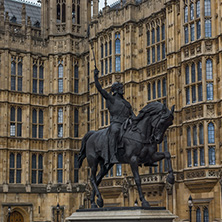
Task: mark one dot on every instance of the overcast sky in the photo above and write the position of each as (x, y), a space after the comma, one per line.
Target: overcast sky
(101, 2)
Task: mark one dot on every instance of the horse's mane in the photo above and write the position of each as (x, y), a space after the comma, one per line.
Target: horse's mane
(152, 108)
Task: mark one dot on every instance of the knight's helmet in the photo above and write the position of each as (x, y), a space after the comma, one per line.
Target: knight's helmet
(115, 87)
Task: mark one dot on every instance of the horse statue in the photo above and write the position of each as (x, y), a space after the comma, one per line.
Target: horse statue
(138, 146)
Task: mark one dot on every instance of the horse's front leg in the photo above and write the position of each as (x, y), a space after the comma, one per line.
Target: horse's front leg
(161, 155)
(134, 168)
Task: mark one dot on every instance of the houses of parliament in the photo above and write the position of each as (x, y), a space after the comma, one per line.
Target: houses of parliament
(160, 50)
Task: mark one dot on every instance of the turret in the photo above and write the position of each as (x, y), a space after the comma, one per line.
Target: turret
(65, 16)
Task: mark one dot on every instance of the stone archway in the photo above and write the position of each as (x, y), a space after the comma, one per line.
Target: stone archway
(16, 217)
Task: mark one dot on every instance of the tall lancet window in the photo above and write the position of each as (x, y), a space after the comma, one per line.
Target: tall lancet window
(61, 11)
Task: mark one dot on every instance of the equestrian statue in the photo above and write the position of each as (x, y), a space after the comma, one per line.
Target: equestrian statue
(129, 139)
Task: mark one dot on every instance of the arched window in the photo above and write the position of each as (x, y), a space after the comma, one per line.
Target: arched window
(60, 78)
(73, 13)
(13, 76)
(211, 137)
(187, 74)
(102, 49)
(188, 136)
(149, 91)
(40, 169)
(60, 168)
(78, 14)
(76, 122)
(63, 12)
(154, 90)
(159, 89)
(148, 37)
(185, 14)
(106, 49)
(58, 12)
(186, 34)
(76, 77)
(198, 215)
(209, 69)
(187, 95)
(118, 169)
(193, 73)
(194, 135)
(41, 79)
(206, 215)
(20, 76)
(153, 36)
(117, 52)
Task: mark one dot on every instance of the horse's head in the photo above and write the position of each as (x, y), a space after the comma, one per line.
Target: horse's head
(161, 122)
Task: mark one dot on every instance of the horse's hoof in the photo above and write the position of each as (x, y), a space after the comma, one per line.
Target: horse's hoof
(171, 179)
(145, 204)
(93, 205)
(100, 202)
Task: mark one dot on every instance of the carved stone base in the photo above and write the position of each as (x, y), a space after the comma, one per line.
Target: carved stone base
(123, 214)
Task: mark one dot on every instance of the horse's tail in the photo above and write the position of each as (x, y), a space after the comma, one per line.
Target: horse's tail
(82, 154)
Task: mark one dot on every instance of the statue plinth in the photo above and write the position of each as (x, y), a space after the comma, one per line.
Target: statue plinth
(123, 214)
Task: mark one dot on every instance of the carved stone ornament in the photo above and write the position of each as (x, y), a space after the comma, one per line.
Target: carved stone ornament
(169, 188)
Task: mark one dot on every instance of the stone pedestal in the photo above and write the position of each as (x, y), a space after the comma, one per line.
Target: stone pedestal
(122, 214)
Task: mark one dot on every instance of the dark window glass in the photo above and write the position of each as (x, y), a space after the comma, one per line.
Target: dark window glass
(187, 75)
(153, 54)
(199, 71)
(187, 95)
(35, 71)
(110, 64)
(193, 94)
(110, 47)
(148, 56)
(76, 76)
(13, 69)
(198, 9)
(209, 69)
(106, 49)
(200, 92)
(12, 116)
(153, 36)
(159, 89)
(189, 161)
(19, 69)
(198, 29)
(63, 12)
(194, 135)
(191, 11)
(158, 53)
(154, 90)
(19, 115)
(188, 136)
(19, 83)
(34, 116)
(186, 34)
(192, 32)
(60, 166)
(158, 34)
(76, 171)
(76, 121)
(13, 83)
(118, 65)
(117, 46)
(164, 87)
(163, 31)
(12, 160)
(40, 116)
(195, 157)
(201, 134)
(202, 161)
(34, 87)
(101, 51)
(148, 38)
(160, 162)
(163, 51)
(193, 73)
(149, 91)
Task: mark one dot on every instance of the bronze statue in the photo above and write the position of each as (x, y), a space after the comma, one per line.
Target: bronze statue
(120, 110)
(137, 144)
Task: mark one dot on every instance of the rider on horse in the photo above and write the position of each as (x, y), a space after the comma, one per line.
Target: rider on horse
(120, 110)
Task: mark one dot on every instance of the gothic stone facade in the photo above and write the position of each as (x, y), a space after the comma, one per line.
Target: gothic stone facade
(161, 50)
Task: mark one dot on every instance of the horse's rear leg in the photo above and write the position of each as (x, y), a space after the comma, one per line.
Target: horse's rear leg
(103, 171)
(134, 168)
(93, 166)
